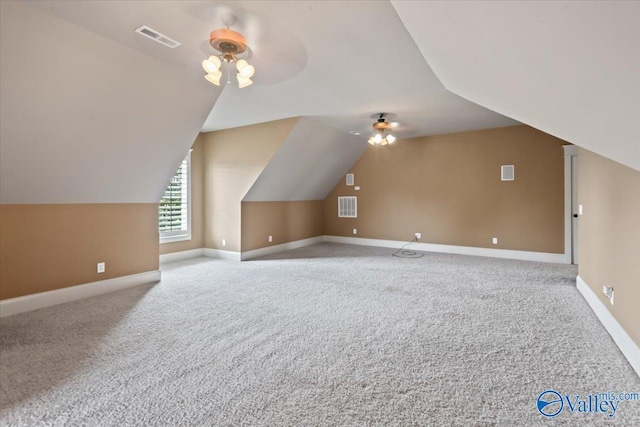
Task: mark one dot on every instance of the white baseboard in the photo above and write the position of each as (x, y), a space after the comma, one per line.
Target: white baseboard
(460, 250)
(269, 250)
(624, 342)
(219, 253)
(60, 296)
(178, 256)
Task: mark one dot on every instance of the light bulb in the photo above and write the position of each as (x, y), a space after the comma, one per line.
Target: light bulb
(391, 138)
(377, 139)
(241, 64)
(214, 78)
(211, 65)
(247, 71)
(243, 81)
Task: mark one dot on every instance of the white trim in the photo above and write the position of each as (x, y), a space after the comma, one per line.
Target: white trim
(219, 253)
(569, 151)
(31, 302)
(178, 256)
(625, 343)
(462, 250)
(269, 250)
(177, 238)
(567, 210)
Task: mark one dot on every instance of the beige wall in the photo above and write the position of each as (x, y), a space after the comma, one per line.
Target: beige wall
(233, 160)
(609, 235)
(448, 188)
(47, 247)
(285, 221)
(197, 205)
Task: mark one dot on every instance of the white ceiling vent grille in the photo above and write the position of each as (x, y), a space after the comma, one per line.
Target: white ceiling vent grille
(158, 37)
(347, 207)
(508, 172)
(350, 179)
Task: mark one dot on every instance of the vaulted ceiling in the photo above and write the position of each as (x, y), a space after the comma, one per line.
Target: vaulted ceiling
(93, 112)
(568, 68)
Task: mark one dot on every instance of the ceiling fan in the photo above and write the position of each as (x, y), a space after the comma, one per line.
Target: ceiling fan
(382, 130)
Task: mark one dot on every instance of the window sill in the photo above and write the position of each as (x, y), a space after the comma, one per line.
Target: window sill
(172, 239)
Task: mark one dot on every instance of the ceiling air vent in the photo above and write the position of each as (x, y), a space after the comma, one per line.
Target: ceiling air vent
(156, 36)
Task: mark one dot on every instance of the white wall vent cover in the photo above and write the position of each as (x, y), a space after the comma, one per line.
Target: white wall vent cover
(508, 172)
(347, 207)
(350, 179)
(156, 36)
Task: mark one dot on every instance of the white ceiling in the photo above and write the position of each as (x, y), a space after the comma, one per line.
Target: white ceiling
(308, 164)
(86, 119)
(93, 112)
(338, 62)
(568, 68)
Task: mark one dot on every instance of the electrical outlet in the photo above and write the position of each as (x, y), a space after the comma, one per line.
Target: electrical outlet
(495, 240)
(607, 291)
(357, 188)
(418, 236)
(355, 231)
(224, 242)
(270, 239)
(101, 267)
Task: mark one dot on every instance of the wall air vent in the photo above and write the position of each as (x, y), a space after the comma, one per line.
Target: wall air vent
(156, 36)
(347, 207)
(508, 173)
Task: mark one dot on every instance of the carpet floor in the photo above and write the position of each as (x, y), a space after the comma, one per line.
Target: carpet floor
(329, 334)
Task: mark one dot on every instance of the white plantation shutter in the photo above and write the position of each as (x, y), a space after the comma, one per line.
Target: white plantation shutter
(174, 212)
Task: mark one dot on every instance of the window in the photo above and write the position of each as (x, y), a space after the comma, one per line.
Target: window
(174, 219)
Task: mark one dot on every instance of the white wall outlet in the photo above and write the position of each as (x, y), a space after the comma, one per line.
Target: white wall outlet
(579, 209)
(357, 188)
(418, 235)
(101, 267)
(355, 231)
(607, 291)
(270, 239)
(495, 240)
(224, 242)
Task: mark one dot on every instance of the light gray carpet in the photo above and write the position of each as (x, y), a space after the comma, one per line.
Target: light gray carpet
(325, 335)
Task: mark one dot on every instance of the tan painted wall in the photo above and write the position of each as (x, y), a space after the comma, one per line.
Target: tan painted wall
(609, 235)
(233, 160)
(197, 203)
(47, 247)
(448, 188)
(285, 221)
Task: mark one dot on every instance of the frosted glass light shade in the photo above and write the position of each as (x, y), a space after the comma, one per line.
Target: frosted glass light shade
(390, 139)
(211, 65)
(214, 78)
(243, 81)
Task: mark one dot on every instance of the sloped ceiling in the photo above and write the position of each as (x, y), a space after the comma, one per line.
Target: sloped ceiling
(86, 119)
(345, 60)
(568, 68)
(308, 164)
